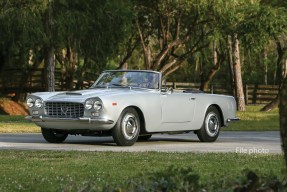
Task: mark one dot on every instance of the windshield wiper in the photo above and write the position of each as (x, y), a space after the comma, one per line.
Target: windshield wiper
(120, 85)
(98, 86)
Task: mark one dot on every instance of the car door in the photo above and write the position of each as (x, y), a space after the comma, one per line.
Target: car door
(177, 107)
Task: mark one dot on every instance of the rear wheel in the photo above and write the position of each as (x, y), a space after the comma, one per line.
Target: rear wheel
(127, 128)
(53, 136)
(211, 126)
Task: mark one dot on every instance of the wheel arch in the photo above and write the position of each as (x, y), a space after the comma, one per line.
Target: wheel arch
(141, 116)
(220, 113)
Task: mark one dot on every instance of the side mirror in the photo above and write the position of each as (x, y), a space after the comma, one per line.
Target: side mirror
(169, 90)
(164, 89)
(163, 84)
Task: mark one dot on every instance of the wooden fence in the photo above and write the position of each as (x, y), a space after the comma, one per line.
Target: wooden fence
(14, 82)
(254, 94)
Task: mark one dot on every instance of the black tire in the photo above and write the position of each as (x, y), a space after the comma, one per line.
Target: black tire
(144, 137)
(52, 136)
(127, 128)
(211, 126)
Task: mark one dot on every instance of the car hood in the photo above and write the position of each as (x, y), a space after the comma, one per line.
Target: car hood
(82, 95)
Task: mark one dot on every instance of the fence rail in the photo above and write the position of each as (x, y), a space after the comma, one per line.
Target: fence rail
(254, 94)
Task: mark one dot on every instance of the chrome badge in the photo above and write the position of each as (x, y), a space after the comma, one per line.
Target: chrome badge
(65, 109)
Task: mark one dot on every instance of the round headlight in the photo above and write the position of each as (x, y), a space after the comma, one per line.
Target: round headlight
(30, 102)
(98, 105)
(89, 104)
(39, 103)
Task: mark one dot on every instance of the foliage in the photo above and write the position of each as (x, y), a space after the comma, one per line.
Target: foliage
(92, 28)
(186, 179)
(106, 171)
(257, 26)
(85, 35)
(172, 179)
(91, 36)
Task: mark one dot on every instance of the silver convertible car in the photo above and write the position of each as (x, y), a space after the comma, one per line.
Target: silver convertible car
(130, 105)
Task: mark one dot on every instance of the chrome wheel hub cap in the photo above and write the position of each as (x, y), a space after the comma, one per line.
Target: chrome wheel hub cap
(212, 124)
(130, 126)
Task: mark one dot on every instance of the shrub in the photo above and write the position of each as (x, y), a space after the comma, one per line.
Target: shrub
(184, 179)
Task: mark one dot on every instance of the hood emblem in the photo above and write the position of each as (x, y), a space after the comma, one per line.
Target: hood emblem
(65, 109)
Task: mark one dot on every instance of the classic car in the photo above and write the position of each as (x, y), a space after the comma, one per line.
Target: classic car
(130, 105)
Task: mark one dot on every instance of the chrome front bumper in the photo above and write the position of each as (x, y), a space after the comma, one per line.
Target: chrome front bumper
(80, 119)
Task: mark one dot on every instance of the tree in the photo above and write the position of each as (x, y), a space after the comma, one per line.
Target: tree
(171, 31)
(78, 36)
(237, 75)
(277, 32)
(90, 33)
(281, 74)
(233, 14)
(218, 57)
(49, 50)
(230, 17)
(283, 118)
(20, 36)
(251, 24)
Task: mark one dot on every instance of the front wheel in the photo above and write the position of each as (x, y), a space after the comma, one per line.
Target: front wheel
(127, 128)
(53, 136)
(211, 126)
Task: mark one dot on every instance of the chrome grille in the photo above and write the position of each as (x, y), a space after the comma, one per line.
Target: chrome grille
(64, 109)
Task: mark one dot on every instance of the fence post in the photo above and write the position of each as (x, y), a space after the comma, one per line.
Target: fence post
(246, 94)
(211, 88)
(174, 85)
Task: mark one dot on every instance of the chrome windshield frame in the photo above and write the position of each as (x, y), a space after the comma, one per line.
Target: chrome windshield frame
(127, 71)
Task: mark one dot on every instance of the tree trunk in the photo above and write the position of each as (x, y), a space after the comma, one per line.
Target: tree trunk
(213, 71)
(283, 120)
(49, 51)
(281, 74)
(271, 105)
(20, 94)
(2, 61)
(147, 58)
(230, 61)
(71, 67)
(50, 68)
(237, 76)
(130, 49)
(146, 48)
(81, 74)
(265, 57)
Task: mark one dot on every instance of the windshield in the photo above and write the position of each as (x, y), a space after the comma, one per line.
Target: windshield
(137, 79)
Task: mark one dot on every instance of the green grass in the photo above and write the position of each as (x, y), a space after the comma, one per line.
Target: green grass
(12, 119)
(255, 120)
(73, 171)
(17, 124)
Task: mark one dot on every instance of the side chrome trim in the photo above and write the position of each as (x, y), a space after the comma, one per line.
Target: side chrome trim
(80, 119)
(233, 119)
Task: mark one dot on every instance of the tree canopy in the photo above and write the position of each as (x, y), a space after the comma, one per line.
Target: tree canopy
(187, 40)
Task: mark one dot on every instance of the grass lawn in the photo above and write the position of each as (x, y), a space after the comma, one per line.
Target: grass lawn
(91, 171)
(16, 124)
(254, 120)
(251, 120)
(74, 171)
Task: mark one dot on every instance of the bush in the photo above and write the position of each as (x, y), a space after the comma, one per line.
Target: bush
(184, 179)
